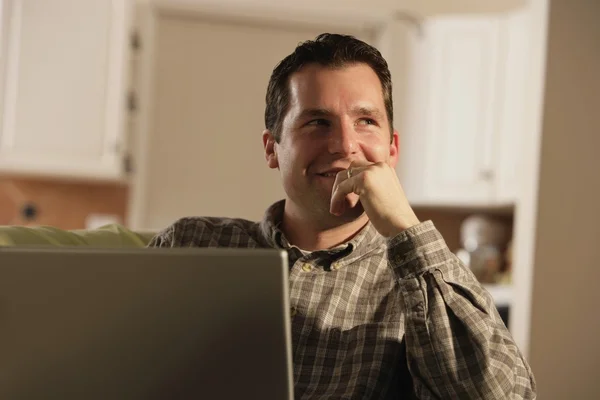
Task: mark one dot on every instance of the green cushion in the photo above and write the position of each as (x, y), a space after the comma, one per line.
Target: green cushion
(112, 235)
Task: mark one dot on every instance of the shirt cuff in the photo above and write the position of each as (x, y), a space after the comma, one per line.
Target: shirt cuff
(416, 250)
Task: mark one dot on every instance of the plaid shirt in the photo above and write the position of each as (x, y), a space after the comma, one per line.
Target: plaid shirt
(379, 318)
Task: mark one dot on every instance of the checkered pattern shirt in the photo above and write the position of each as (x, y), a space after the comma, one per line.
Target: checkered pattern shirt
(379, 318)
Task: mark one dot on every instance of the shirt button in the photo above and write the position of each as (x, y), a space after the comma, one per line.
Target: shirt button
(307, 267)
(293, 312)
(335, 266)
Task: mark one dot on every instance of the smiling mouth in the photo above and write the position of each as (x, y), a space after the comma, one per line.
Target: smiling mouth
(328, 174)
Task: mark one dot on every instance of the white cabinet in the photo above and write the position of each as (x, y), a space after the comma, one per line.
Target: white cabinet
(64, 70)
(512, 119)
(461, 145)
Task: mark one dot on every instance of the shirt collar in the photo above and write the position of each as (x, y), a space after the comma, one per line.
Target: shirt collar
(363, 242)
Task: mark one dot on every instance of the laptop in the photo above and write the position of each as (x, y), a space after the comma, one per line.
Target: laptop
(144, 324)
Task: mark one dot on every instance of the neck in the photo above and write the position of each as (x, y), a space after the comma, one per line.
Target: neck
(313, 234)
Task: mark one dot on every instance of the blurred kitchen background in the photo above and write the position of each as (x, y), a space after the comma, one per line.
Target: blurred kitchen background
(141, 112)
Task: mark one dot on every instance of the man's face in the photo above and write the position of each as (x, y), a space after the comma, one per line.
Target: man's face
(335, 116)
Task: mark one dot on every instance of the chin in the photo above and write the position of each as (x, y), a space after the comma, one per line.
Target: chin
(331, 220)
(352, 214)
(319, 206)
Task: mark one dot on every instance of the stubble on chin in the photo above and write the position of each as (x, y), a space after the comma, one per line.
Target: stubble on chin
(318, 206)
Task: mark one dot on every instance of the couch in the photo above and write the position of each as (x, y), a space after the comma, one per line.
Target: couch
(108, 236)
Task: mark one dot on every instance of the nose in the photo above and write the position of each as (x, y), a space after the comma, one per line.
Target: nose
(343, 139)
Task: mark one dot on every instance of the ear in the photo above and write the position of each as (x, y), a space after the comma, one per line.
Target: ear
(269, 145)
(394, 150)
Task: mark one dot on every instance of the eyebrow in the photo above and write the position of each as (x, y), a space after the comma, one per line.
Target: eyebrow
(323, 112)
(368, 111)
(315, 112)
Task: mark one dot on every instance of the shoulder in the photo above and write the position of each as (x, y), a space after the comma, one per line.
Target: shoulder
(207, 232)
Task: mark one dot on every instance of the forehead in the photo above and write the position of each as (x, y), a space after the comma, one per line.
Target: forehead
(335, 88)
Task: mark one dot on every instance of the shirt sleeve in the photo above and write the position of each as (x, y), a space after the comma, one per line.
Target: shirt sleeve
(164, 238)
(457, 345)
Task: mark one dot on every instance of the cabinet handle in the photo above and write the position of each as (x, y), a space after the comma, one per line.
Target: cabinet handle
(127, 164)
(487, 175)
(132, 102)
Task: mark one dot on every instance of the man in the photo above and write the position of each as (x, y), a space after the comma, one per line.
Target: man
(381, 308)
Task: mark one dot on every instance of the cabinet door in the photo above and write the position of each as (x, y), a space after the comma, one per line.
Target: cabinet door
(511, 123)
(64, 70)
(459, 118)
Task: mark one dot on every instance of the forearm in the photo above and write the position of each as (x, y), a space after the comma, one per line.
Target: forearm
(457, 344)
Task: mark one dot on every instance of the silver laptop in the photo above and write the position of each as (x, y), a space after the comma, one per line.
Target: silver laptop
(144, 324)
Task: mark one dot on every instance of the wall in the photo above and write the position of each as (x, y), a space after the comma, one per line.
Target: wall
(565, 309)
(419, 7)
(431, 7)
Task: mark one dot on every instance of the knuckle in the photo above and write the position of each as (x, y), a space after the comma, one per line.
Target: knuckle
(366, 177)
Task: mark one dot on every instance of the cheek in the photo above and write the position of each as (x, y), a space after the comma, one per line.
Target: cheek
(289, 162)
(375, 149)
(299, 155)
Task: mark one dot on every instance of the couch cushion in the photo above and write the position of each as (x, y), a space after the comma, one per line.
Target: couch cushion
(112, 235)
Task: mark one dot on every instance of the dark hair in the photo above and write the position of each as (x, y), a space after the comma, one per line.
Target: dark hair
(328, 50)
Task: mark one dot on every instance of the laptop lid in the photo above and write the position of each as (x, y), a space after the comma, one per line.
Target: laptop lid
(144, 324)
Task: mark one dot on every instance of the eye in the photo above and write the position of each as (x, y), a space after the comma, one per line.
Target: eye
(319, 122)
(367, 121)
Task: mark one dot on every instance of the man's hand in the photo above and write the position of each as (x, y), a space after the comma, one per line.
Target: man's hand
(377, 188)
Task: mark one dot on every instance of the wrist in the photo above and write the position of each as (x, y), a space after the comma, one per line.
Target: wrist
(402, 224)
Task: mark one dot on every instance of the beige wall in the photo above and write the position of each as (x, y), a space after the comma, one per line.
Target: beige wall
(419, 7)
(565, 329)
(432, 7)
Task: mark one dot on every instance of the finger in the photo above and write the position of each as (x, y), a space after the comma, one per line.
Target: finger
(355, 168)
(345, 195)
(348, 201)
(339, 178)
(360, 163)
